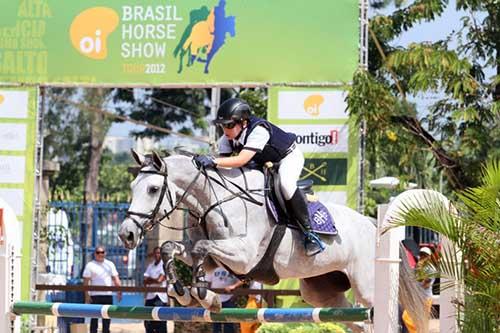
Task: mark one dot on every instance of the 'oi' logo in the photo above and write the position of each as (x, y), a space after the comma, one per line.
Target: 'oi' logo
(312, 104)
(90, 29)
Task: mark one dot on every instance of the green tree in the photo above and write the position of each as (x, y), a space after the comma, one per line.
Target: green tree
(461, 129)
(178, 110)
(474, 259)
(114, 177)
(75, 130)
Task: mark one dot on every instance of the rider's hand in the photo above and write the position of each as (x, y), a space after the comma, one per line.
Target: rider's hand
(205, 161)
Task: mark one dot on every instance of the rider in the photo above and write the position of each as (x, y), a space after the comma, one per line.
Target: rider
(251, 139)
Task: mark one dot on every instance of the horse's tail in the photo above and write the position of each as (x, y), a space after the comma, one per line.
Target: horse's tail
(411, 295)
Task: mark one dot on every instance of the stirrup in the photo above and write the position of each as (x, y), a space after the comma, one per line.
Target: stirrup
(312, 239)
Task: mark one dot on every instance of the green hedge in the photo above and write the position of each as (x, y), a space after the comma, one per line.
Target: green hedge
(302, 328)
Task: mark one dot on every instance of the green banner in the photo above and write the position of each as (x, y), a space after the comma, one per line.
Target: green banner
(178, 43)
(18, 107)
(326, 135)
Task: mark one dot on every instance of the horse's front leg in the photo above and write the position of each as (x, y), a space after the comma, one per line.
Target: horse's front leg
(235, 253)
(175, 288)
(199, 287)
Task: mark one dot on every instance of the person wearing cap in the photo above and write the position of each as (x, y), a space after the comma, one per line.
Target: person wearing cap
(249, 140)
(425, 275)
(425, 270)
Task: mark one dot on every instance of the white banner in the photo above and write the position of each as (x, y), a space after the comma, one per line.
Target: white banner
(13, 104)
(15, 199)
(12, 169)
(320, 138)
(312, 105)
(12, 136)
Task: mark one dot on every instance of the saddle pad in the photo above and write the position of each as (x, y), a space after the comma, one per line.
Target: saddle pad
(321, 220)
(319, 217)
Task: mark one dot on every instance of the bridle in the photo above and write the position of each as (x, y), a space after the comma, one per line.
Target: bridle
(151, 223)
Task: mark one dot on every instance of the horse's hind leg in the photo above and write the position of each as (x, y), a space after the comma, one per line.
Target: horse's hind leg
(318, 293)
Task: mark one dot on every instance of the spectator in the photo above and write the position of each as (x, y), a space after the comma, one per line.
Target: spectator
(254, 302)
(425, 273)
(155, 277)
(425, 270)
(100, 272)
(221, 278)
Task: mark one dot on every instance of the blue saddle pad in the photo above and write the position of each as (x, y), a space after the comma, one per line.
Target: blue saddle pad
(321, 219)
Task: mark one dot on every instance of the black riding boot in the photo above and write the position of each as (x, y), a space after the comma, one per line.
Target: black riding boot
(312, 243)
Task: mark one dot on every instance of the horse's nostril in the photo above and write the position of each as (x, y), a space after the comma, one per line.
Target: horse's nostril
(130, 237)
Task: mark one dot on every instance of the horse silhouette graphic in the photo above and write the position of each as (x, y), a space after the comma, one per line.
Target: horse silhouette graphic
(204, 35)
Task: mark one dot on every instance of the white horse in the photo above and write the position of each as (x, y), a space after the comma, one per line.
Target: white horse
(227, 227)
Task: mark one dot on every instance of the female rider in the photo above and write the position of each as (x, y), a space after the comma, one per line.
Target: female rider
(251, 139)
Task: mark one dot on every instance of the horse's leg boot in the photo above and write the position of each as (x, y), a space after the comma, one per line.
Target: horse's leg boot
(312, 242)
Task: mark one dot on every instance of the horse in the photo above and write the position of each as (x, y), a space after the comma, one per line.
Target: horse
(228, 226)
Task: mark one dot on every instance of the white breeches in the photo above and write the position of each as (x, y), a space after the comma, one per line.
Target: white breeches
(289, 172)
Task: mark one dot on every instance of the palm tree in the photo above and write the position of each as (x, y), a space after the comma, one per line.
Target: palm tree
(473, 262)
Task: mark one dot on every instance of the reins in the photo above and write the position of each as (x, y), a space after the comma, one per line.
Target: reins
(244, 194)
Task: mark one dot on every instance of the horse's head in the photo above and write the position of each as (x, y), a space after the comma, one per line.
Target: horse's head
(153, 199)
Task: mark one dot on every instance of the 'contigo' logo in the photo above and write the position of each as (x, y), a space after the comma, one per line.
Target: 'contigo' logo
(90, 29)
(312, 104)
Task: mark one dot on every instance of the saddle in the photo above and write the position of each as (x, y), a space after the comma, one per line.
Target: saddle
(320, 219)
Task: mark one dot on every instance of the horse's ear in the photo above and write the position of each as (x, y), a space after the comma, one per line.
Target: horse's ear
(158, 162)
(138, 158)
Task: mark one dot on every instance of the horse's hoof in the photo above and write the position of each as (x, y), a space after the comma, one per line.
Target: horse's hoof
(199, 293)
(184, 299)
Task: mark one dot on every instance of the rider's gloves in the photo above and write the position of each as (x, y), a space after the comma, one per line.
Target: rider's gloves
(205, 161)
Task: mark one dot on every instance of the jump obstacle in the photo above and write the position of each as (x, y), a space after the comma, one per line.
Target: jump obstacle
(384, 320)
(227, 315)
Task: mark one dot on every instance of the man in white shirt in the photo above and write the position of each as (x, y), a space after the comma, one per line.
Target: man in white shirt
(155, 277)
(221, 278)
(100, 272)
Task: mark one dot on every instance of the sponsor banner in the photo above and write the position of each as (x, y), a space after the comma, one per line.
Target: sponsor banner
(18, 107)
(325, 171)
(320, 138)
(12, 136)
(188, 42)
(307, 105)
(12, 169)
(326, 135)
(14, 104)
(14, 198)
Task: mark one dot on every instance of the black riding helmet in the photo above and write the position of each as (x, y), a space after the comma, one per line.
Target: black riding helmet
(233, 110)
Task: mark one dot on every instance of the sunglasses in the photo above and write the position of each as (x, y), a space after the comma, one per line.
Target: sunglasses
(100, 252)
(228, 126)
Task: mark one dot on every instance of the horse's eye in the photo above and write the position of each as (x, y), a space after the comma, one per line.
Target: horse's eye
(153, 189)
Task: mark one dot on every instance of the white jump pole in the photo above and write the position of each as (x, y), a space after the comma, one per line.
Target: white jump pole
(386, 318)
(10, 268)
(447, 311)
